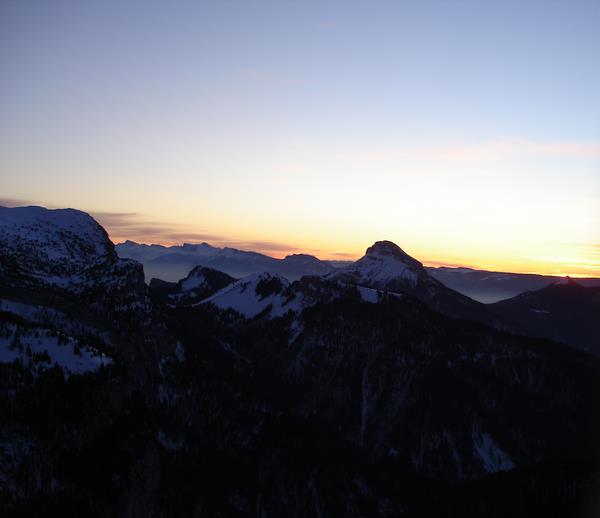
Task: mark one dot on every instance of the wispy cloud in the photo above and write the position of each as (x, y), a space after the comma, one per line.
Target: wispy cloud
(138, 227)
(344, 255)
(489, 150)
(17, 202)
(449, 264)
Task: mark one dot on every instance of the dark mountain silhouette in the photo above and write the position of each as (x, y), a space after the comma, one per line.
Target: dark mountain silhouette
(568, 313)
(174, 262)
(489, 287)
(200, 283)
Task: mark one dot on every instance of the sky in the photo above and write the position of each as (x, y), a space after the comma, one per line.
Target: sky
(467, 132)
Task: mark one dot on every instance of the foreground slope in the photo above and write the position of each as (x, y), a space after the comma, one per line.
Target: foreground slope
(415, 403)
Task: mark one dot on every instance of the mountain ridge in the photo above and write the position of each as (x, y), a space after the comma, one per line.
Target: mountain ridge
(321, 391)
(481, 285)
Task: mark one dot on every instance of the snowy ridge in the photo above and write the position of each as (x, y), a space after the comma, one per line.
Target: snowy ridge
(196, 279)
(40, 349)
(255, 293)
(200, 283)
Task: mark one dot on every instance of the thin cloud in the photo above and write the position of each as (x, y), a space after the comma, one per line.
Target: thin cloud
(447, 264)
(263, 246)
(16, 202)
(134, 226)
(490, 150)
(347, 255)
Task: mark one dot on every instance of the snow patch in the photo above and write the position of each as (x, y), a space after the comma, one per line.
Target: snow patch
(492, 457)
(41, 348)
(241, 296)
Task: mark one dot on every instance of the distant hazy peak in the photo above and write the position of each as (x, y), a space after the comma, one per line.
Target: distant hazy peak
(302, 258)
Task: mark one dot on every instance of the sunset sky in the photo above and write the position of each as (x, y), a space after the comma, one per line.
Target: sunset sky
(468, 133)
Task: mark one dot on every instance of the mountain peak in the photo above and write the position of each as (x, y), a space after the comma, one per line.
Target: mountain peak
(301, 258)
(390, 249)
(572, 282)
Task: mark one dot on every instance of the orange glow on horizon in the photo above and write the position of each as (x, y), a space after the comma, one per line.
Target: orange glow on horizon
(557, 266)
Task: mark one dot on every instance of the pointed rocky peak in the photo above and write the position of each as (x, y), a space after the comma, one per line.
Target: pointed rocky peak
(389, 249)
(384, 266)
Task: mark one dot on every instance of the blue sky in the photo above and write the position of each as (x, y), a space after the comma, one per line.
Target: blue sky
(468, 132)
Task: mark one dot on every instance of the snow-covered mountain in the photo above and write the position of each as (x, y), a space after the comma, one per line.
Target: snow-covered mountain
(344, 394)
(143, 253)
(174, 262)
(274, 295)
(199, 284)
(60, 248)
(256, 293)
(59, 269)
(385, 266)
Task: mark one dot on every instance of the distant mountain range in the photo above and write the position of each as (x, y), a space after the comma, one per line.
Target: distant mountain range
(174, 262)
(488, 287)
(371, 389)
(566, 312)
